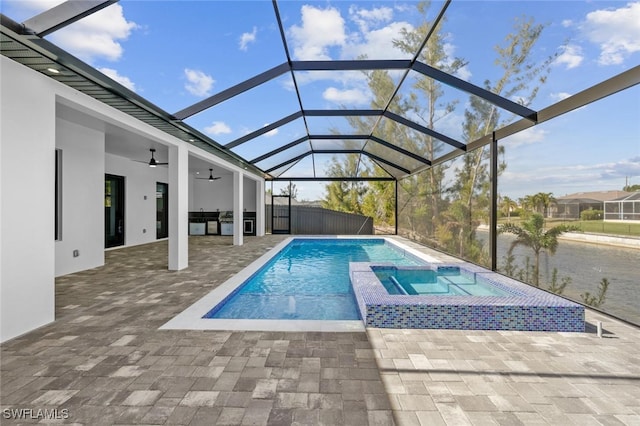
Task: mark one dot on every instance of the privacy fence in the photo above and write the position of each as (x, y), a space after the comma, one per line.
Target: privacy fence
(305, 220)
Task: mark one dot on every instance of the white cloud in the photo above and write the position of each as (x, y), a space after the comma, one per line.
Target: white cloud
(559, 96)
(377, 43)
(617, 32)
(569, 178)
(271, 133)
(463, 73)
(526, 137)
(366, 17)
(198, 83)
(97, 36)
(217, 128)
(347, 96)
(323, 34)
(33, 7)
(113, 74)
(571, 56)
(247, 38)
(320, 30)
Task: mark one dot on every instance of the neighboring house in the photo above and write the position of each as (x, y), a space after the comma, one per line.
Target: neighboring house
(570, 206)
(625, 208)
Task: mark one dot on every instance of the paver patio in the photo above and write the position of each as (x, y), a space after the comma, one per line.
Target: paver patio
(104, 361)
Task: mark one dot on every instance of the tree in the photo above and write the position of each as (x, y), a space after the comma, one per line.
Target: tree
(520, 79)
(542, 201)
(424, 199)
(291, 190)
(596, 300)
(533, 235)
(344, 196)
(507, 205)
(426, 106)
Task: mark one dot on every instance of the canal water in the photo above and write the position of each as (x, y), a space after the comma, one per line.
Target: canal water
(586, 264)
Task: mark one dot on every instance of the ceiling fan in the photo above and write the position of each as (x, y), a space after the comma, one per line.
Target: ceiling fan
(153, 162)
(210, 178)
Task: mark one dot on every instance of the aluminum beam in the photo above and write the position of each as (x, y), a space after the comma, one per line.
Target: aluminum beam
(422, 129)
(401, 150)
(375, 139)
(334, 179)
(264, 130)
(352, 65)
(358, 151)
(232, 91)
(279, 150)
(289, 161)
(62, 15)
(465, 86)
(341, 112)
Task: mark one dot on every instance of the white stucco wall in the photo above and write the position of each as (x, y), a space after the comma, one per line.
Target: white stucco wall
(30, 130)
(27, 167)
(140, 182)
(218, 195)
(82, 198)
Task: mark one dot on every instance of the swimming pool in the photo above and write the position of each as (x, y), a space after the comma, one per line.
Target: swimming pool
(194, 316)
(308, 280)
(440, 281)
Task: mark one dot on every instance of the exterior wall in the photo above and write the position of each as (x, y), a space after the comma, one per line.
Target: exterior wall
(82, 198)
(140, 197)
(32, 126)
(218, 195)
(27, 165)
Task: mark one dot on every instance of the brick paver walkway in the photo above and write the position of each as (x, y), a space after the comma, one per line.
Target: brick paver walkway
(104, 361)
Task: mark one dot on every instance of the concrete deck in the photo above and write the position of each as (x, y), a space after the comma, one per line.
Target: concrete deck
(104, 361)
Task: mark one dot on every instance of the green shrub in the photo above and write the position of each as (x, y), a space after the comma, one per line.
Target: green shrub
(592, 215)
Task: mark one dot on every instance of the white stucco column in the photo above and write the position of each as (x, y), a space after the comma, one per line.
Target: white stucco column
(260, 213)
(238, 208)
(178, 207)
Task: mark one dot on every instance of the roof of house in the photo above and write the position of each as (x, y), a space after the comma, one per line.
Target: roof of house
(593, 196)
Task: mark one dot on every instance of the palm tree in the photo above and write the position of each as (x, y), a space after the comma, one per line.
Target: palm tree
(533, 235)
(508, 205)
(542, 201)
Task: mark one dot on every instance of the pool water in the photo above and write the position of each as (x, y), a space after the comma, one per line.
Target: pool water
(447, 281)
(308, 280)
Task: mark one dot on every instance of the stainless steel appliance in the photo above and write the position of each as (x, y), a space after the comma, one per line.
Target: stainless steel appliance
(226, 222)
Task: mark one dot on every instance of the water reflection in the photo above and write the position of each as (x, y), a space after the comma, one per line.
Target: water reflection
(586, 264)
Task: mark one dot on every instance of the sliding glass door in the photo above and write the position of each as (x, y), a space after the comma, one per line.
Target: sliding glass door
(114, 211)
(162, 210)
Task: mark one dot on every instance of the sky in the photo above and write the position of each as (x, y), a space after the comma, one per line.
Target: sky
(176, 53)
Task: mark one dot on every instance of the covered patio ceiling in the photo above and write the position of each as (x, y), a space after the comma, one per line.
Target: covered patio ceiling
(316, 89)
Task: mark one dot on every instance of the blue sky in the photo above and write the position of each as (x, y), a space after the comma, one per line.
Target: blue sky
(178, 53)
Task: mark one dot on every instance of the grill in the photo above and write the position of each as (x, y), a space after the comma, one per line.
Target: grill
(226, 222)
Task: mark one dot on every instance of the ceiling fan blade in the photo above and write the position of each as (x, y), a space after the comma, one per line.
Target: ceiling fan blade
(210, 178)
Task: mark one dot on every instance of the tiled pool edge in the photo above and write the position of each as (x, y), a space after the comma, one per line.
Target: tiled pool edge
(530, 309)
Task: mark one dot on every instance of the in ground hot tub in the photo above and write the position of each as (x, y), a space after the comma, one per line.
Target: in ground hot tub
(462, 296)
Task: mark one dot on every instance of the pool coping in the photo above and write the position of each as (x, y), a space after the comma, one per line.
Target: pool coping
(192, 317)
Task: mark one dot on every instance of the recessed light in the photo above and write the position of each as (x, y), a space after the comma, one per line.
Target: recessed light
(53, 70)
